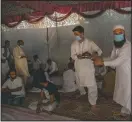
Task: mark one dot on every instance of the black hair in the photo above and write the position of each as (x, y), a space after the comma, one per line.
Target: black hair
(35, 56)
(70, 65)
(70, 58)
(19, 41)
(12, 70)
(49, 60)
(7, 41)
(79, 29)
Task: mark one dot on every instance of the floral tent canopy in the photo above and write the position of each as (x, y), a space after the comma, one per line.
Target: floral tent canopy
(15, 12)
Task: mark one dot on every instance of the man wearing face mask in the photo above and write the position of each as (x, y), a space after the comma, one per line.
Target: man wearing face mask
(21, 61)
(121, 60)
(81, 52)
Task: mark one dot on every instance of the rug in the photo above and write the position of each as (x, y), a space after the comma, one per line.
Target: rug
(79, 108)
(19, 113)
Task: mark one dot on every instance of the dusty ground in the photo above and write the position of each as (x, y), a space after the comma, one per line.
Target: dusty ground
(79, 108)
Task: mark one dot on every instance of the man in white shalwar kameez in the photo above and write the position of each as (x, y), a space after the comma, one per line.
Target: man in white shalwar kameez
(20, 58)
(69, 79)
(51, 68)
(4, 64)
(121, 60)
(81, 53)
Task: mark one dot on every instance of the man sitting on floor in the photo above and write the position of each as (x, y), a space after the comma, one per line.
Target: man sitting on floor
(69, 61)
(38, 71)
(5, 55)
(13, 91)
(51, 67)
(100, 71)
(69, 79)
(54, 96)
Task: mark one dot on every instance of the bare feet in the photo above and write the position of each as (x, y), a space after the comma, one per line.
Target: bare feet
(94, 109)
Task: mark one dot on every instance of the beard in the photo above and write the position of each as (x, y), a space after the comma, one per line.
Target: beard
(119, 44)
(13, 78)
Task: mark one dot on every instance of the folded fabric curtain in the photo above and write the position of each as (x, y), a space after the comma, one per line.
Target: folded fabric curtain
(59, 19)
(121, 11)
(93, 15)
(49, 7)
(42, 9)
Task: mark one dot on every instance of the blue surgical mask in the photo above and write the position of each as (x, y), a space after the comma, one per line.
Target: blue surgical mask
(78, 38)
(119, 37)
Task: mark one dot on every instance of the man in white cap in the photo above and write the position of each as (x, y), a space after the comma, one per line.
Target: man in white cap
(121, 60)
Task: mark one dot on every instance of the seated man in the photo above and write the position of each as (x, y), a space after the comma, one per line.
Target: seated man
(54, 96)
(4, 62)
(36, 62)
(100, 71)
(38, 71)
(69, 79)
(109, 82)
(13, 91)
(51, 67)
(69, 61)
(30, 66)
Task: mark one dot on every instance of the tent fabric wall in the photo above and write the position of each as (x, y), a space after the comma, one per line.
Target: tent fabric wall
(99, 30)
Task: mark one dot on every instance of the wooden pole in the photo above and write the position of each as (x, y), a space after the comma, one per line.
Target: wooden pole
(48, 43)
(58, 41)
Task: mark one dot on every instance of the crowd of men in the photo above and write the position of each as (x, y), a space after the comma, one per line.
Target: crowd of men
(86, 68)
(15, 74)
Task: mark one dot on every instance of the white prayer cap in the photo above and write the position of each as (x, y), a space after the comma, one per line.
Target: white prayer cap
(118, 27)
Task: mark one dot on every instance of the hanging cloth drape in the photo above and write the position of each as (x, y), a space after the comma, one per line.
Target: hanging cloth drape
(42, 8)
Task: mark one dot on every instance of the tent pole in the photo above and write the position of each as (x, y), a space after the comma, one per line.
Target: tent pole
(57, 30)
(48, 43)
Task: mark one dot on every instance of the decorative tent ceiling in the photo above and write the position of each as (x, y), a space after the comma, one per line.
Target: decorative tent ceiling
(13, 7)
(14, 12)
(23, 7)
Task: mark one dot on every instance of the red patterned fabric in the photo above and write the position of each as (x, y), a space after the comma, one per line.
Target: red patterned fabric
(89, 6)
(43, 8)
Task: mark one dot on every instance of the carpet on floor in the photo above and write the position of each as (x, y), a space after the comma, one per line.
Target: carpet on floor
(20, 113)
(79, 108)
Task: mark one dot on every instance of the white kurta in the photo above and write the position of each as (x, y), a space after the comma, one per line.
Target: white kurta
(15, 84)
(36, 64)
(53, 67)
(121, 60)
(69, 79)
(21, 64)
(5, 66)
(84, 67)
